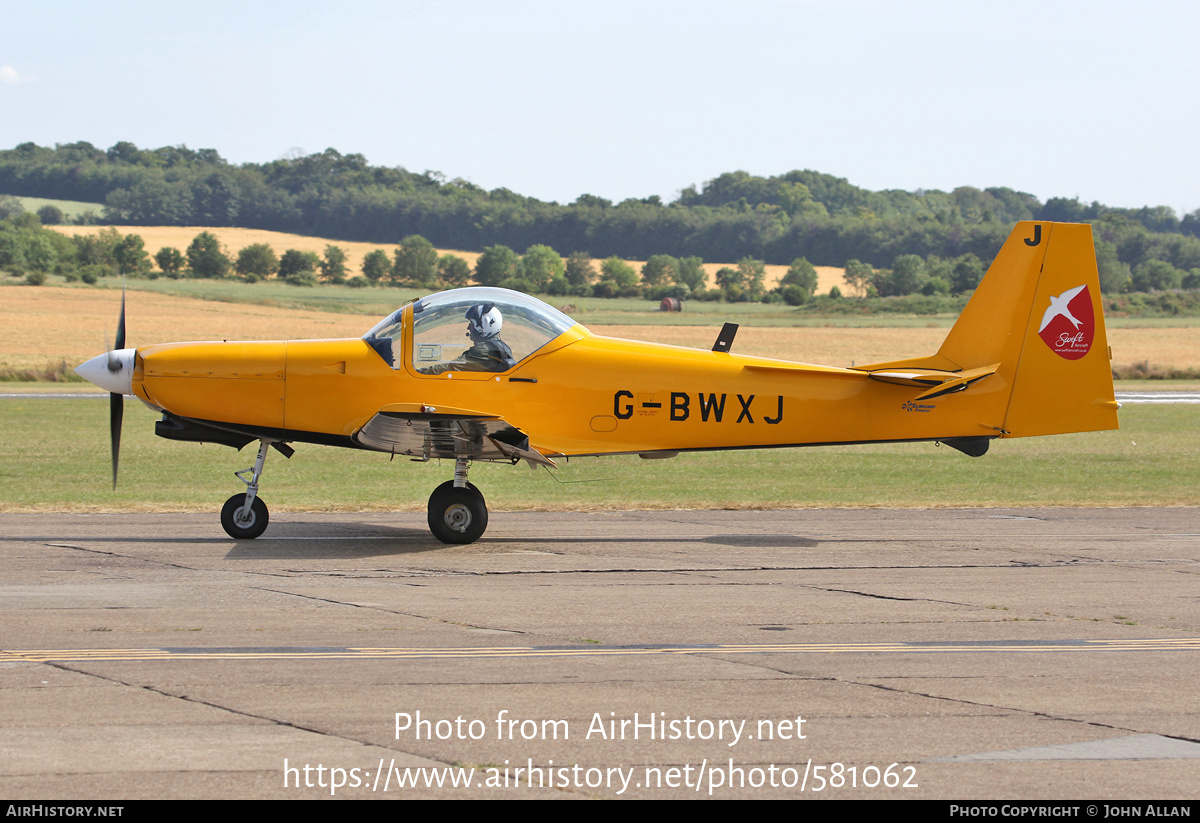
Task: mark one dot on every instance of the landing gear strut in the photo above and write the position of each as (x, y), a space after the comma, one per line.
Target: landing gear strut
(457, 511)
(245, 516)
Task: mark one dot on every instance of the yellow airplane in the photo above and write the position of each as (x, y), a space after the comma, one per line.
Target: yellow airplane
(493, 375)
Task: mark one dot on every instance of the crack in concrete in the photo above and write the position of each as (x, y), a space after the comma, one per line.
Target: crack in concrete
(891, 597)
(275, 721)
(385, 610)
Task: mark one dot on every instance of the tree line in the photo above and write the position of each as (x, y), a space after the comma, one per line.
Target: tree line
(819, 217)
(27, 249)
(926, 241)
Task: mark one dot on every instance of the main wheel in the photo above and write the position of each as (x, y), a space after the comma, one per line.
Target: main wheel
(241, 523)
(457, 515)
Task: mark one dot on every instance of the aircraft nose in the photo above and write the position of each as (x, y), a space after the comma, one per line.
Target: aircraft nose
(111, 371)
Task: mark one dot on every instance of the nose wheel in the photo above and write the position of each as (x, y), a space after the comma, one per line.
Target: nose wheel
(241, 521)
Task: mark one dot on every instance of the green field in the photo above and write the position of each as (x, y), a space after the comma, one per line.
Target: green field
(70, 208)
(56, 458)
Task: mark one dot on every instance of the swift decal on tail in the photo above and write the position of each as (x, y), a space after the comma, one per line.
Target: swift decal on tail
(1069, 325)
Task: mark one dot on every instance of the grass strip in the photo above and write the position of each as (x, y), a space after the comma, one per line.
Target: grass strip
(57, 459)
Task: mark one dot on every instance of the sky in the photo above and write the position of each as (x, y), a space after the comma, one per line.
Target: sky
(1096, 100)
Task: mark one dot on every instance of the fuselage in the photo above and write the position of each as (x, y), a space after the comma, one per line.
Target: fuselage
(579, 394)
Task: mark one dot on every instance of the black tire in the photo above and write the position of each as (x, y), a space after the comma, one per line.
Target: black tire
(246, 530)
(457, 516)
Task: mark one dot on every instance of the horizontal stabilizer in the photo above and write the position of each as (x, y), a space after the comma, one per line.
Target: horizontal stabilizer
(936, 383)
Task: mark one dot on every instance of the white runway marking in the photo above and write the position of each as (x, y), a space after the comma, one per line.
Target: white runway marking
(1158, 397)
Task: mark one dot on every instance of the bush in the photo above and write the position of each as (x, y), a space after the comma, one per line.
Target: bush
(206, 258)
(295, 263)
(1156, 275)
(935, 285)
(794, 295)
(803, 274)
(605, 288)
(358, 282)
(259, 260)
(497, 264)
(302, 278)
(90, 274)
(50, 215)
(521, 284)
(36, 278)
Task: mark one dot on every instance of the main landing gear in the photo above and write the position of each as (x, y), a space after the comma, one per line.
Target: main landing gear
(457, 511)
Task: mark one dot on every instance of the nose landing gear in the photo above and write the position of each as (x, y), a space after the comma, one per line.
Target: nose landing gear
(245, 516)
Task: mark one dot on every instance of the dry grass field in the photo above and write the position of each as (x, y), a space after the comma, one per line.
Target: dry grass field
(234, 240)
(41, 325)
(839, 346)
(44, 325)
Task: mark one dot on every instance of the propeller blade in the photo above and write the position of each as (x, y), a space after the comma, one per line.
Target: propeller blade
(116, 401)
(116, 413)
(121, 322)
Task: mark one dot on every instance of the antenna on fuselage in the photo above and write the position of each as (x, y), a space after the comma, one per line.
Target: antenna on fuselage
(725, 338)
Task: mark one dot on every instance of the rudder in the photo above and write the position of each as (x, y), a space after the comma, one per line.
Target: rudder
(1064, 380)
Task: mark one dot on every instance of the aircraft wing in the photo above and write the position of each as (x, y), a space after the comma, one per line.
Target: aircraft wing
(426, 432)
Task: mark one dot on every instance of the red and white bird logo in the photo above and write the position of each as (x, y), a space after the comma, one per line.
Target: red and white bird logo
(1069, 323)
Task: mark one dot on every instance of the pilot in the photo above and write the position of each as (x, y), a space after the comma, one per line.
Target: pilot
(488, 352)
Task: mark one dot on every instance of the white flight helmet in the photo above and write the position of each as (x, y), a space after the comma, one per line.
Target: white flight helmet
(484, 321)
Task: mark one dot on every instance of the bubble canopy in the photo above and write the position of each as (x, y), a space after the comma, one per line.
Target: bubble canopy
(439, 335)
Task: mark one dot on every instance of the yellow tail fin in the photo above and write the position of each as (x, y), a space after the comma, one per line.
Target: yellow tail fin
(1038, 320)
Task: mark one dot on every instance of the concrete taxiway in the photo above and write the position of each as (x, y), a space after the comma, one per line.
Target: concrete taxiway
(1049, 653)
